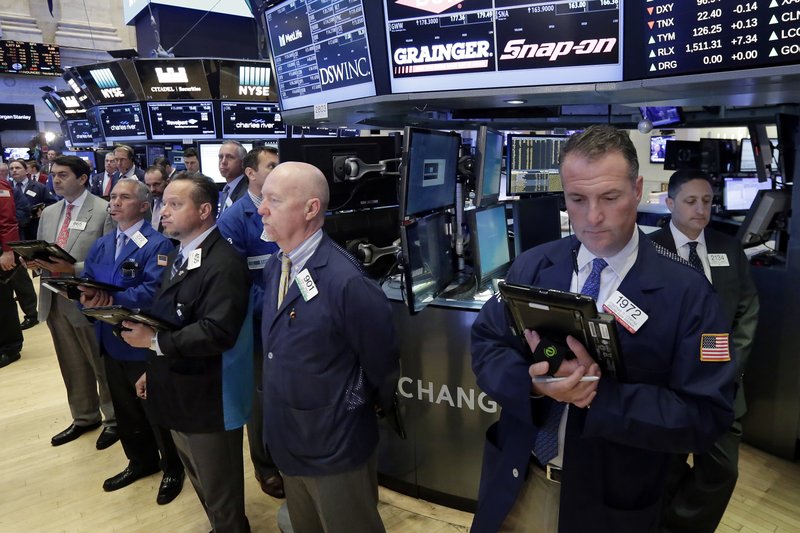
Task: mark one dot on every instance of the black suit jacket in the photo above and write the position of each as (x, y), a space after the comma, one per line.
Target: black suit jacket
(35, 193)
(240, 190)
(737, 292)
(209, 304)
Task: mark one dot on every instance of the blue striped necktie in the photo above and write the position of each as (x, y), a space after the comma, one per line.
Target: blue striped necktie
(545, 447)
(176, 266)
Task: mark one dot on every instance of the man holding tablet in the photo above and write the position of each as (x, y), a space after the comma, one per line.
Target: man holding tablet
(577, 455)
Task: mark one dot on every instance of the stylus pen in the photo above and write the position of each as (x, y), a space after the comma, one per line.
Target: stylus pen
(550, 379)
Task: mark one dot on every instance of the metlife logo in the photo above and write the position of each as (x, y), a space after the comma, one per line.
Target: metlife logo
(171, 75)
(288, 38)
(254, 81)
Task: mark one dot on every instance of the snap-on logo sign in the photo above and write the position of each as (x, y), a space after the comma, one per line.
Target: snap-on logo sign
(517, 49)
(432, 6)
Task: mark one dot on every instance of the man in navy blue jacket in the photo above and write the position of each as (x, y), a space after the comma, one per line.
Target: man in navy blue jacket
(133, 257)
(241, 226)
(325, 373)
(576, 455)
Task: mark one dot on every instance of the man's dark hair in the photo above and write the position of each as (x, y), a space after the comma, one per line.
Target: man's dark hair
(33, 164)
(190, 152)
(679, 177)
(600, 139)
(251, 159)
(76, 165)
(157, 168)
(204, 190)
(161, 161)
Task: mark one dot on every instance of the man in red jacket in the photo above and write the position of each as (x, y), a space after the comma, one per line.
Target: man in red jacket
(10, 333)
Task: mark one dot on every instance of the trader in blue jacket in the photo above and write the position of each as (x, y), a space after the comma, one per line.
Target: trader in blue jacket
(241, 226)
(133, 257)
(593, 456)
(330, 361)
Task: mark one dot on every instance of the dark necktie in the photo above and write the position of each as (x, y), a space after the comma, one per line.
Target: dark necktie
(223, 199)
(176, 265)
(545, 447)
(694, 258)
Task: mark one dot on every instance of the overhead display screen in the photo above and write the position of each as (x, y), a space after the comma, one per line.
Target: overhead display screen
(108, 83)
(445, 44)
(251, 120)
(320, 51)
(669, 38)
(247, 80)
(122, 122)
(173, 79)
(18, 57)
(79, 132)
(181, 120)
(68, 102)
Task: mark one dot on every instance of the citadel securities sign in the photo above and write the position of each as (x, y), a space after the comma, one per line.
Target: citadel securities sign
(17, 117)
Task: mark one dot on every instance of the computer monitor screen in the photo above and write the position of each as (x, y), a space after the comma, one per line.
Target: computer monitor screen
(69, 104)
(309, 132)
(209, 159)
(428, 259)
(662, 116)
(789, 136)
(252, 120)
(658, 147)
(764, 216)
(173, 79)
(747, 160)
(738, 193)
(122, 122)
(488, 241)
(181, 120)
(532, 165)
(112, 82)
(488, 165)
(537, 220)
(683, 155)
(428, 170)
(13, 152)
(85, 155)
(329, 155)
(79, 132)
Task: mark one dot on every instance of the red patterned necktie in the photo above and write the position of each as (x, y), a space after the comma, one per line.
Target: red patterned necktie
(63, 233)
(107, 189)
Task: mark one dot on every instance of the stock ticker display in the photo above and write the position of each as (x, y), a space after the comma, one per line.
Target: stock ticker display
(695, 36)
(320, 46)
(18, 57)
(446, 44)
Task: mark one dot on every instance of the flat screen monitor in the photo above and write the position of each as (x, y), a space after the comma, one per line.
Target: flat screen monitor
(252, 120)
(683, 155)
(93, 116)
(533, 162)
(658, 147)
(428, 170)
(329, 155)
(209, 159)
(15, 152)
(308, 132)
(246, 80)
(537, 220)
(789, 136)
(488, 166)
(739, 192)
(181, 120)
(77, 86)
(663, 115)
(764, 217)
(428, 259)
(437, 45)
(79, 132)
(122, 122)
(50, 101)
(20, 57)
(112, 82)
(86, 155)
(747, 159)
(69, 104)
(488, 241)
(173, 79)
(321, 54)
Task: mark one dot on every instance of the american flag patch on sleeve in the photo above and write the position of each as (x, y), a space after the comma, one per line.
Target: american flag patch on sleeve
(715, 347)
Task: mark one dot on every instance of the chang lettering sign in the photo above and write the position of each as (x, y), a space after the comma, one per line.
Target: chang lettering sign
(459, 398)
(518, 49)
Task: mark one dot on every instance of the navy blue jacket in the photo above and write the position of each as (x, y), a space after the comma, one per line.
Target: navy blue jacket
(35, 193)
(328, 361)
(617, 453)
(241, 226)
(136, 269)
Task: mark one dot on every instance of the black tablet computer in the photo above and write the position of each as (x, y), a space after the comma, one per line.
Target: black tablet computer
(115, 314)
(69, 285)
(43, 250)
(555, 314)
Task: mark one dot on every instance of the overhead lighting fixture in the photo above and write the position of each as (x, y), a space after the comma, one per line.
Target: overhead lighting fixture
(516, 101)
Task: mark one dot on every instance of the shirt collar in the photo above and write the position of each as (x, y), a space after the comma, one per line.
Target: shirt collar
(681, 239)
(256, 199)
(231, 185)
(79, 200)
(192, 246)
(620, 263)
(130, 232)
(304, 251)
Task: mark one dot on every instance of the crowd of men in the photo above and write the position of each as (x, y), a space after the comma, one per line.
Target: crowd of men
(208, 266)
(260, 324)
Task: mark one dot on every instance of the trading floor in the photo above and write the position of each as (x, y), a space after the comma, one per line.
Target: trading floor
(43, 488)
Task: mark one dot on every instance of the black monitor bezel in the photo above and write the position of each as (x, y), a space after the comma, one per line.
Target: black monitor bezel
(481, 147)
(482, 276)
(408, 135)
(441, 219)
(509, 154)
